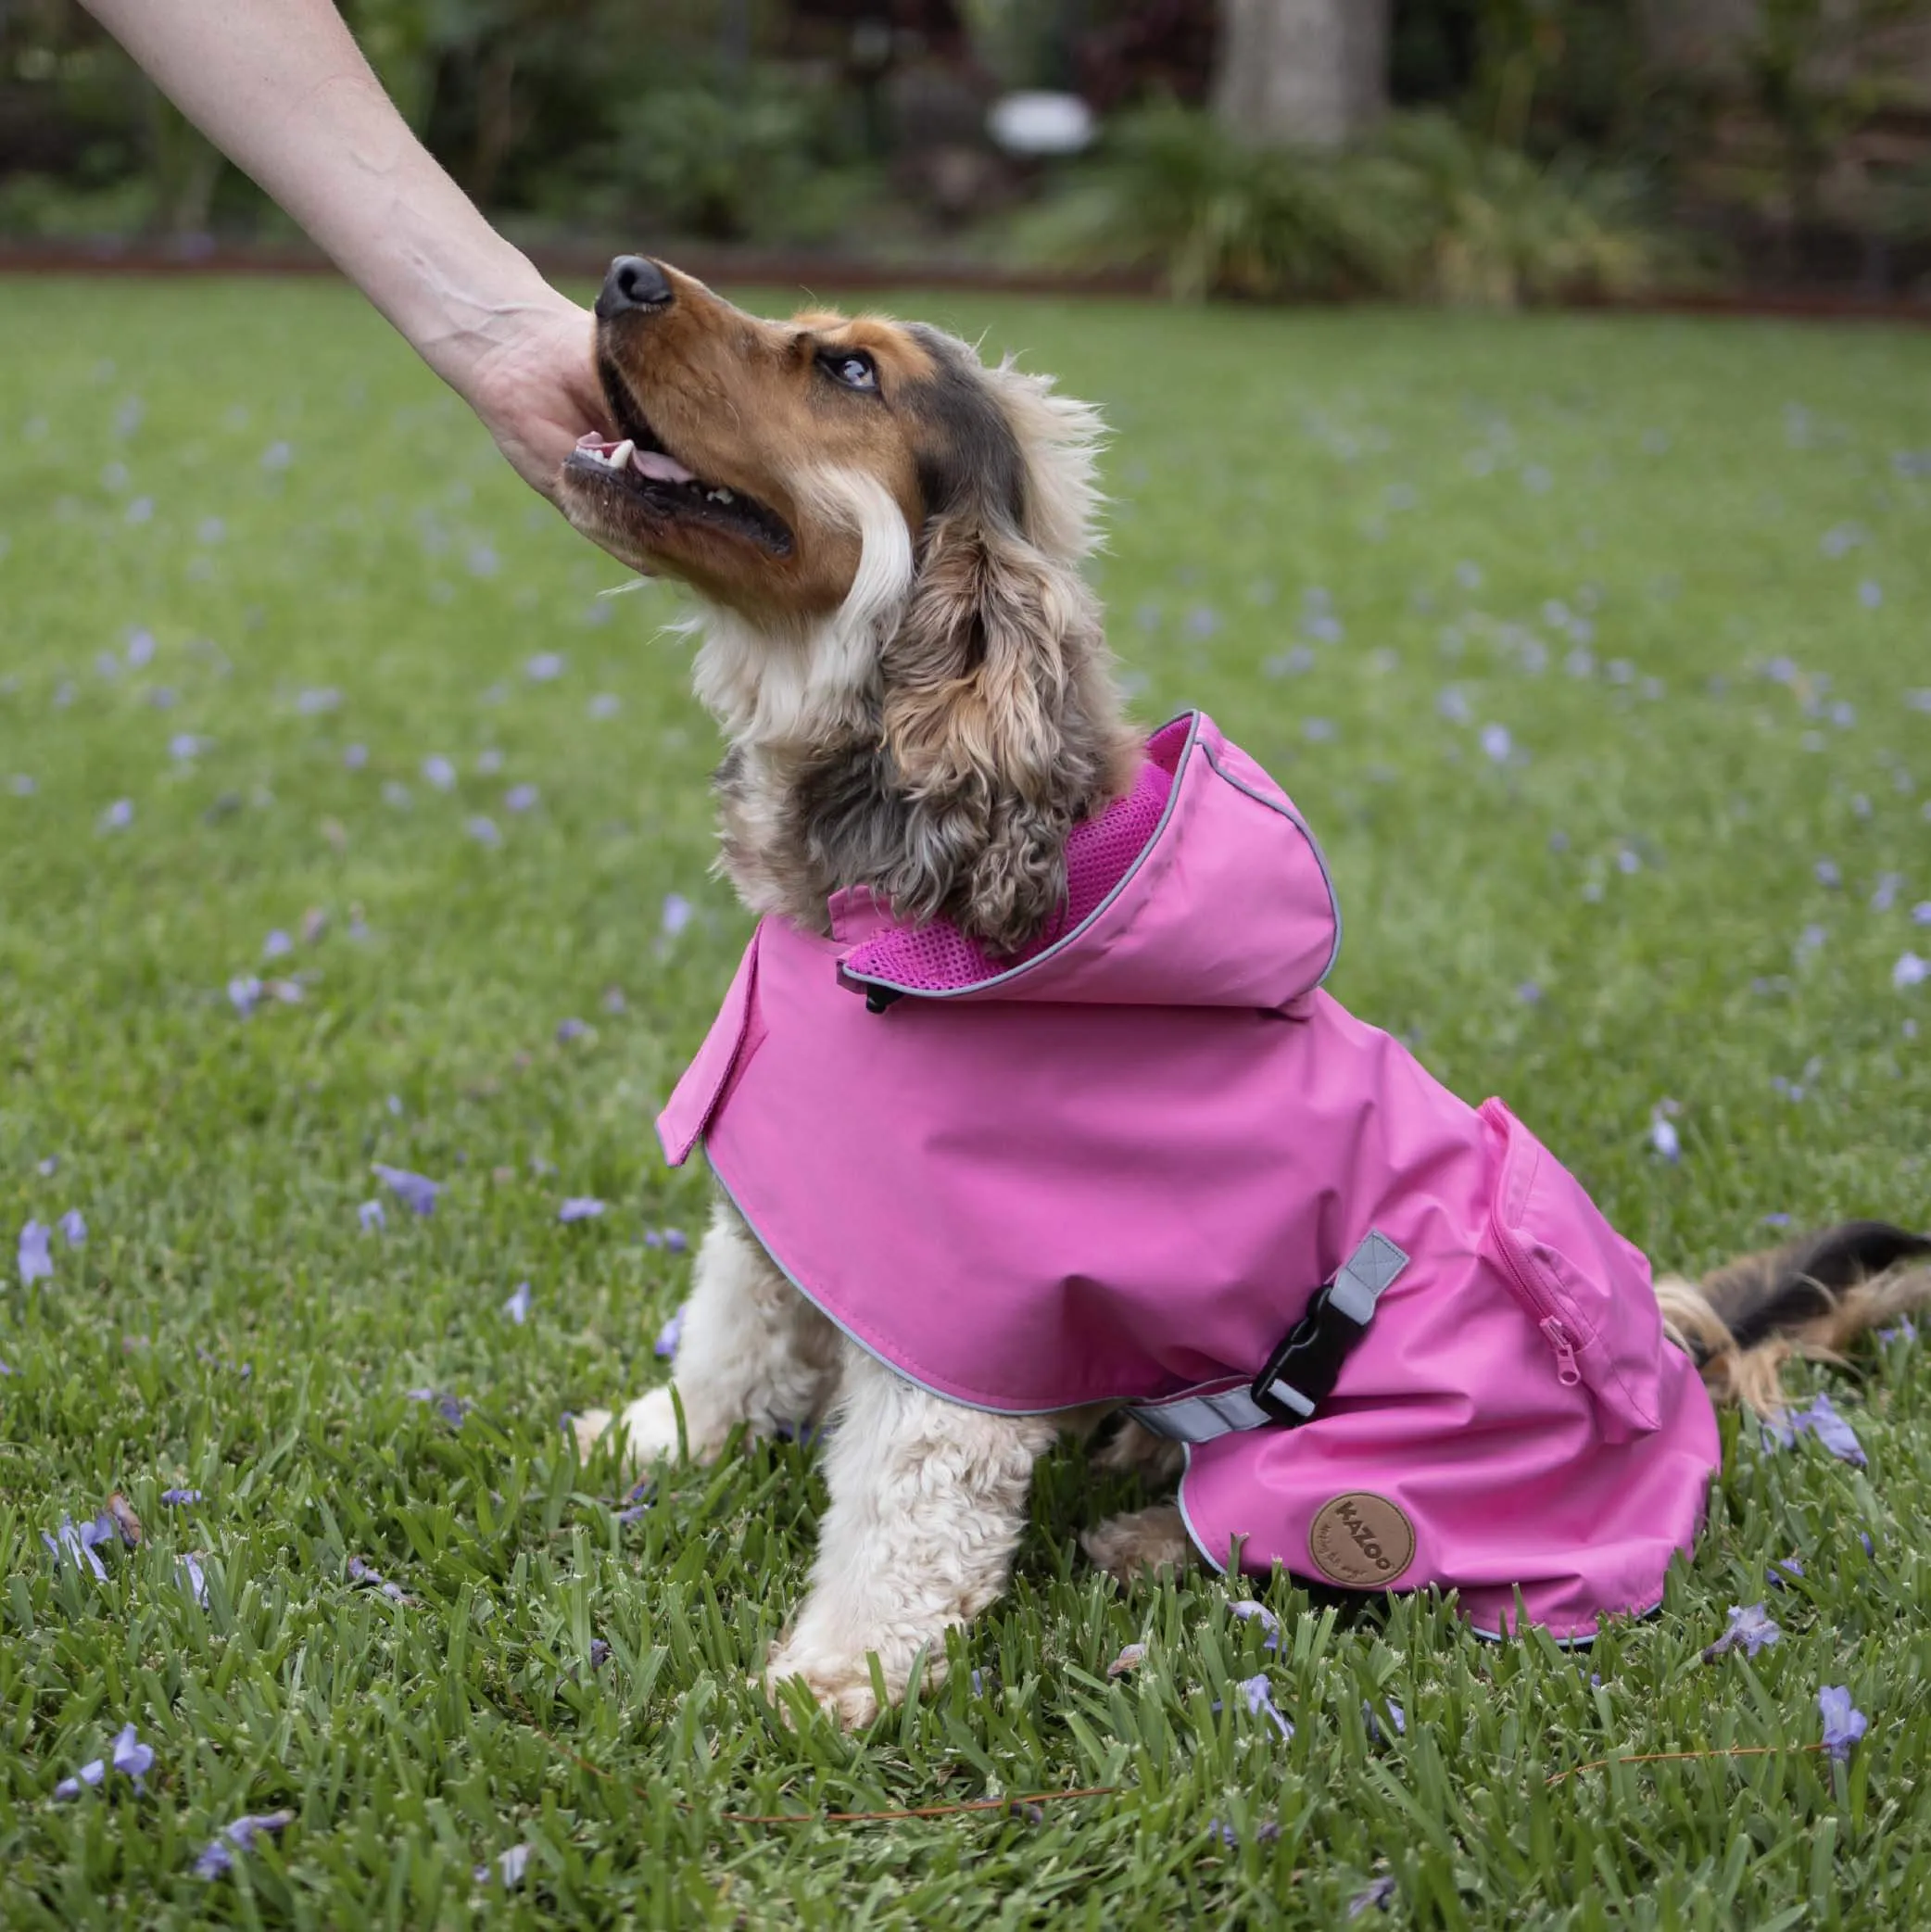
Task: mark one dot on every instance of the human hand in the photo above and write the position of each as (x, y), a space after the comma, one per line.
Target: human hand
(535, 387)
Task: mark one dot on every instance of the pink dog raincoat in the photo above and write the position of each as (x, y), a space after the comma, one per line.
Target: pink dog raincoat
(1147, 1161)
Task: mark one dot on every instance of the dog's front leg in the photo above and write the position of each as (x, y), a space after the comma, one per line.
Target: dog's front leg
(927, 1503)
(753, 1350)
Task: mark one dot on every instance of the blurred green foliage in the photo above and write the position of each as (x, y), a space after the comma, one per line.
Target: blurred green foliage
(592, 112)
(1777, 127)
(1425, 210)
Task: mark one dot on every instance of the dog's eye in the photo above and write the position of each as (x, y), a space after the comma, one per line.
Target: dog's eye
(850, 366)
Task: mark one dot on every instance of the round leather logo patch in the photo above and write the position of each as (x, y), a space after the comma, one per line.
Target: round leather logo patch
(1361, 1540)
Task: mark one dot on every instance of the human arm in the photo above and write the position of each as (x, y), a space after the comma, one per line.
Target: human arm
(282, 88)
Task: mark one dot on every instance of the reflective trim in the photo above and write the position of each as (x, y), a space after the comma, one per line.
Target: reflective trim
(1193, 718)
(1292, 814)
(1214, 1409)
(1199, 1542)
(1199, 1416)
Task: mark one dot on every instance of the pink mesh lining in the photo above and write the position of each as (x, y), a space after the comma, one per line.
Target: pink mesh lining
(939, 958)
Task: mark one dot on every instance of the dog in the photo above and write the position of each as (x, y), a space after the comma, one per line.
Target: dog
(923, 726)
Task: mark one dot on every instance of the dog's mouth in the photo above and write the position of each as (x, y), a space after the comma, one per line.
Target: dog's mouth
(642, 475)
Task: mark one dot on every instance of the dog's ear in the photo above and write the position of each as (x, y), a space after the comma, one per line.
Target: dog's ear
(1000, 723)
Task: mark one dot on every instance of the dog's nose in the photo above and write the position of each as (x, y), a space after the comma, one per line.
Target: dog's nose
(633, 283)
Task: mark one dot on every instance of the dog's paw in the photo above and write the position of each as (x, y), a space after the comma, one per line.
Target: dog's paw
(1138, 1542)
(841, 1688)
(1137, 1451)
(648, 1429)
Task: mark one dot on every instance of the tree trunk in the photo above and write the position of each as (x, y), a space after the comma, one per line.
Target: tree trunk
(1310, 73)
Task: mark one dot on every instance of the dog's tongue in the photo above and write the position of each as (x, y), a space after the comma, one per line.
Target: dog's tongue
(652, 463)
(659, 467)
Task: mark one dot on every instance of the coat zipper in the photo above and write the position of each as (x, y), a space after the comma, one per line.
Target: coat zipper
(1548, 1316)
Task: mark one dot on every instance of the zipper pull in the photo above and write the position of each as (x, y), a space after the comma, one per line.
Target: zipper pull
(1567, 1373)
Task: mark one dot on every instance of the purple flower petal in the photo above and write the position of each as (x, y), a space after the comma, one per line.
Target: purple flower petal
(1222, 1833)
(544, 667)
(1832, 1430)
(414, 1191)
(178, 1498)
(73, 1228)
(671, 1334)
(1397, 1718)
(218, 1858)
(362, 1572)
(521, 798)
(1750, 1626)
(580, 1207)
(1249, 1611)
(1377, 1894)
(452, 1408)
(677, 914)
(569, 1030)
(1261, 1703)
(372, 1217)
(36, 1264)
(440, 772)
(93, 1772)
(277, 944)
(1844, 1724)
(1912, 969)
(77, 1545)
(132, 1758)
(193, 1577)
(119, 816)
(508, 1866)
(518, 1306)
(244, 993)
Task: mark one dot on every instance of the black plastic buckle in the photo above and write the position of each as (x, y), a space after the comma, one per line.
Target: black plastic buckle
(878, 998)
(1309, 1360)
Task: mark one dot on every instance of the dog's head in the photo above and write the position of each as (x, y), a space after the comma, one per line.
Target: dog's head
(887, 532)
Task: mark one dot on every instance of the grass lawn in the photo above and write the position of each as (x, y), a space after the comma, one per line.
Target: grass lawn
(1589, 649)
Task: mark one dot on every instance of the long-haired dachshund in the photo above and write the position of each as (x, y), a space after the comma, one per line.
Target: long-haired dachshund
(933, 802)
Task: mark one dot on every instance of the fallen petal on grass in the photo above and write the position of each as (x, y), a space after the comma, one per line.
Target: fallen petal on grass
(218, 1856)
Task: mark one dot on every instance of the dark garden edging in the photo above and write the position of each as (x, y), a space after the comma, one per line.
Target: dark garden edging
(782, 268)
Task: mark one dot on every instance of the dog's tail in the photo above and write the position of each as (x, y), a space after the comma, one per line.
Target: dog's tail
(1812, 1296)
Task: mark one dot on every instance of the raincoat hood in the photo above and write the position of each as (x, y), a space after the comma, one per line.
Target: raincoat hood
(1201, 887)
(1132, 1163)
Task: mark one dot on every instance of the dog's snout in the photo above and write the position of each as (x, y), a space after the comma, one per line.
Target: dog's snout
(633, 282)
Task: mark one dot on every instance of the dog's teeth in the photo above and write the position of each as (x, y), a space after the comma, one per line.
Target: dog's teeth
(619, 458)
(722, 495)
